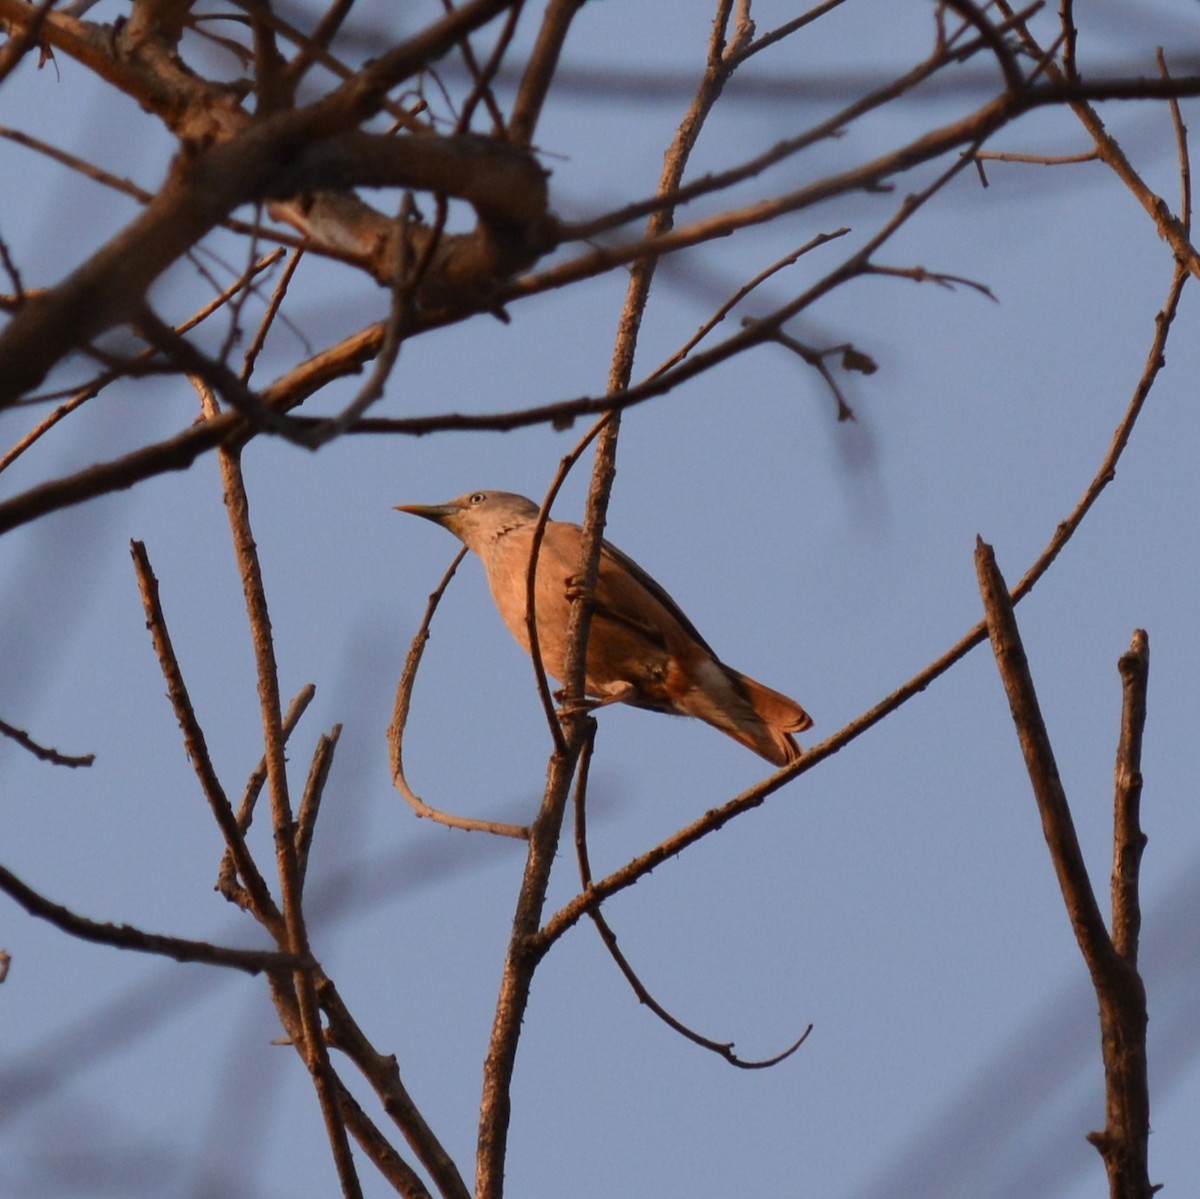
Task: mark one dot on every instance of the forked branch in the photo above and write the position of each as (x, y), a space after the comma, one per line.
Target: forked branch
(1119, 988)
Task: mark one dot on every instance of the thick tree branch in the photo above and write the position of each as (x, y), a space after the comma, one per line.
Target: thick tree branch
(279, 157)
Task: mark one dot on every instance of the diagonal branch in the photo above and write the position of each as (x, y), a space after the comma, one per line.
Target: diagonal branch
(311, 1044)
(194, 741)
(1057, 825)
(524, 952)
(753, 797)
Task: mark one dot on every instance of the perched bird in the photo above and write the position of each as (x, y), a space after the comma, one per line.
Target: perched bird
(642, 650)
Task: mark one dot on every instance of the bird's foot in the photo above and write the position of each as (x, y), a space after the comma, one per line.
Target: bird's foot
(588, 703)
(575, 589)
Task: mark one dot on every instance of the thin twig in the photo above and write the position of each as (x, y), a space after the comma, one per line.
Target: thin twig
(125, 936)
(1181, 149)
(44, 752)
(481, 90)
(785, 30)
(194, 741)
(227, 880)
(268, 317)
(742, 292)
(310, 800)
(1045, 160)
(723, 1049)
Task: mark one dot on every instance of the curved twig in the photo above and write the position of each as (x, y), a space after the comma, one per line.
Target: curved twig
(404, 689)
(723, 1049)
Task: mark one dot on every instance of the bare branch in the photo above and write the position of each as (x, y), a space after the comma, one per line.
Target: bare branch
(404, 690)
(1119, 988)
(723, 1049)
(311, 1044)
(383, 1073)
(523, 955)
(539, 71)
(44, 752)
(125, 936)
(1057, 824)
(194, 741)
(1128, 839)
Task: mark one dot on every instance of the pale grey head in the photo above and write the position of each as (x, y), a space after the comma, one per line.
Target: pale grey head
(478, 518)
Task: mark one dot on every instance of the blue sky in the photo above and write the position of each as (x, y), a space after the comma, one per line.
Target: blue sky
(899, 897)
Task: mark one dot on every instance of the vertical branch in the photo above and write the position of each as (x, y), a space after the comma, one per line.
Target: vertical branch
(539, 74)
(524, 952)
(311, 1044)
(227, 880)
(1118, 986)
(1128, 838)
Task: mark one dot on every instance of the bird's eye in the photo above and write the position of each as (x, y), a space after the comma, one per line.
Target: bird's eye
(478, 497)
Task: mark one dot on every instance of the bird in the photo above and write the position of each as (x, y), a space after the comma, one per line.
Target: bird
(642, 650)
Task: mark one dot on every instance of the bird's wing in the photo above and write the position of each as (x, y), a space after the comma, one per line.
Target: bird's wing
(625, 594)
(616, 597)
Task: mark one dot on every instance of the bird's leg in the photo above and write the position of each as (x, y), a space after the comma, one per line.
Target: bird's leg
(617, 694)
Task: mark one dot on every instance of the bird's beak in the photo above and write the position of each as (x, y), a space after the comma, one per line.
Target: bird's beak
(438, 513)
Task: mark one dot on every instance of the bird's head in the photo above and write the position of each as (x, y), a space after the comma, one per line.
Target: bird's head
(479, 517)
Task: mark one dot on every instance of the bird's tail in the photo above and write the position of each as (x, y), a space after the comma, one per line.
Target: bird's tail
(768, 726)
(760, 718)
